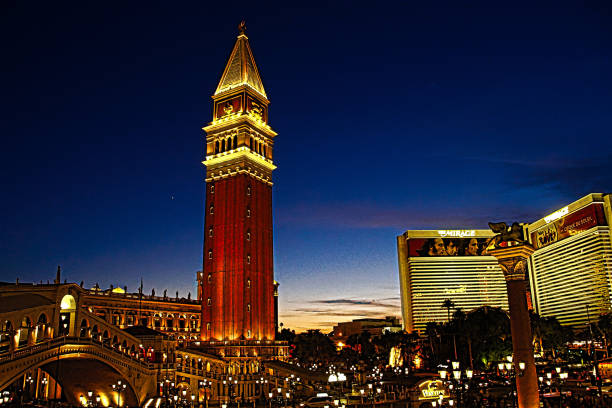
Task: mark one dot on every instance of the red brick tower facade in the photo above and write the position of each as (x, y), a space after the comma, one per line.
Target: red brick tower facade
(238, 273)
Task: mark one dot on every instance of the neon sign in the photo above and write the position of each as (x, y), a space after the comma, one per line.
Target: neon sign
(556, 215)
(457, 233)
(432, 389)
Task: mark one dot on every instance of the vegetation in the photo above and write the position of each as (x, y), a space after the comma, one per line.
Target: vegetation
(479, 339)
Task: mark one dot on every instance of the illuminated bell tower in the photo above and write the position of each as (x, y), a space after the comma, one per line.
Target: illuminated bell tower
(238, 276)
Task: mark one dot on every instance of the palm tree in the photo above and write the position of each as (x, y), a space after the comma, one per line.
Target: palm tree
(448, 305)
(465, 327)
(605, 327)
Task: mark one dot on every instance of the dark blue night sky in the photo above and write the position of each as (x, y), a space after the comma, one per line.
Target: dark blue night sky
(391, 115)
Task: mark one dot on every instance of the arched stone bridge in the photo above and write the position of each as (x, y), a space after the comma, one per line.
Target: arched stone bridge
(45, 326)
(81, 365)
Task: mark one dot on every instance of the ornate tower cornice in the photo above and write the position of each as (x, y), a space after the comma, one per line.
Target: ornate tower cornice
(239, 139)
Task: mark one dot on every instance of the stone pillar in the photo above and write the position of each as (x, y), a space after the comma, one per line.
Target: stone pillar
(513, 262)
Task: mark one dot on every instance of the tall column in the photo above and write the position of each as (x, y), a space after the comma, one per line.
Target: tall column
(513, 262)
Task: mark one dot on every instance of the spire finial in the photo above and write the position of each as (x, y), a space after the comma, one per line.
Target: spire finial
(242, 27)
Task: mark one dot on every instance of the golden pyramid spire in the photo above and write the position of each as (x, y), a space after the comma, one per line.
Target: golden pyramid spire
(241, 68)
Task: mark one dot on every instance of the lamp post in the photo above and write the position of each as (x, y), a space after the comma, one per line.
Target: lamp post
(512, 370)
(458, 380)
(207, 386)
(557, 380)
(119, 387)
(595, 362)
(44, 383)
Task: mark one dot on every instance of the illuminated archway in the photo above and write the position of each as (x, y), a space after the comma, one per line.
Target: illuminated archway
(68, 303)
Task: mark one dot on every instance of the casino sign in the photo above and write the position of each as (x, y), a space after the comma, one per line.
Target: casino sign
(432, 390)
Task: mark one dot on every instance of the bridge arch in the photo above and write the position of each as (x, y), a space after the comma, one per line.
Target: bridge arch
(84, 328)
(83, 369)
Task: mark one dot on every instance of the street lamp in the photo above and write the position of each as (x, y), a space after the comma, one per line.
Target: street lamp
(561, 377)
(512, 370)
(119, 387)
(457, 380)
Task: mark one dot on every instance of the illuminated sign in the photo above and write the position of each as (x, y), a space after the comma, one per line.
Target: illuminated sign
(556, 215)
(457, 233)
(432, 389)
(568, 225)
(460, 289)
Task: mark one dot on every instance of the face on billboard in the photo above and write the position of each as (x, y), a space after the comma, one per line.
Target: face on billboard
(447, 246)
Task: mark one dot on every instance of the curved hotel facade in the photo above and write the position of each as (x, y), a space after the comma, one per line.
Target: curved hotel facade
(570, 271)
(446, 264)
(572, 265)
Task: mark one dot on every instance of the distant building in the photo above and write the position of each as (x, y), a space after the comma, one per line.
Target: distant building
(435, 265)
(570, 272)
(343, 331)
(572, 265)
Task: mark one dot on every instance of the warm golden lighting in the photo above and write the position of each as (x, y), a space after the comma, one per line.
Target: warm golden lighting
(68, 303)
(241, 152)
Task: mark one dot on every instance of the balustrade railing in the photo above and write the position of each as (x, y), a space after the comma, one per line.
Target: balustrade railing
(60, 341)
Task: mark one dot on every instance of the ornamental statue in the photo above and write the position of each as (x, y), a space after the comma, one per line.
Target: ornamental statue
(506, 234)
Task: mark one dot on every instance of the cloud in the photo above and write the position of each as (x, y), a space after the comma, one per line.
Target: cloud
(351, 302)
(570, 177)
(325, 313)
(372, 216)
(573, 177)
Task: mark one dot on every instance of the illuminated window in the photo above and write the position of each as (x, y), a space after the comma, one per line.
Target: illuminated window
(212, 189)
(209, 302)
(264, 151)
(248, 212)
(223, 145)
(207, 326)
(248, 236)
(248, 283)
(212, 209)
(248, 259)
(249, 190)
(249, 335)
(251, 144)
(210, 254)
(248, 307)
(210, 232)
(235, 141)
(216, 147)
(209, 278)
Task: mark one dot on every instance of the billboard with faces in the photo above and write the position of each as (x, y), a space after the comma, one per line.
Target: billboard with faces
(448, 246)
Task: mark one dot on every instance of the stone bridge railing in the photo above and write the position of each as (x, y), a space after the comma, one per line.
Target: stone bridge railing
(14, 363)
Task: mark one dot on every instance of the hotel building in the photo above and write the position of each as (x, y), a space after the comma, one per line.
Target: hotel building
(435, 265)
(572, 265)
(570, 272)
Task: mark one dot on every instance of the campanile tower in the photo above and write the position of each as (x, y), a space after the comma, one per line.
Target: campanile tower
(238, 274)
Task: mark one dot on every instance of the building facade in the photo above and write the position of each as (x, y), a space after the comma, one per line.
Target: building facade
(238, 273)
(176, 317)
(571, 268)
(375, 327)
(435, 265)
